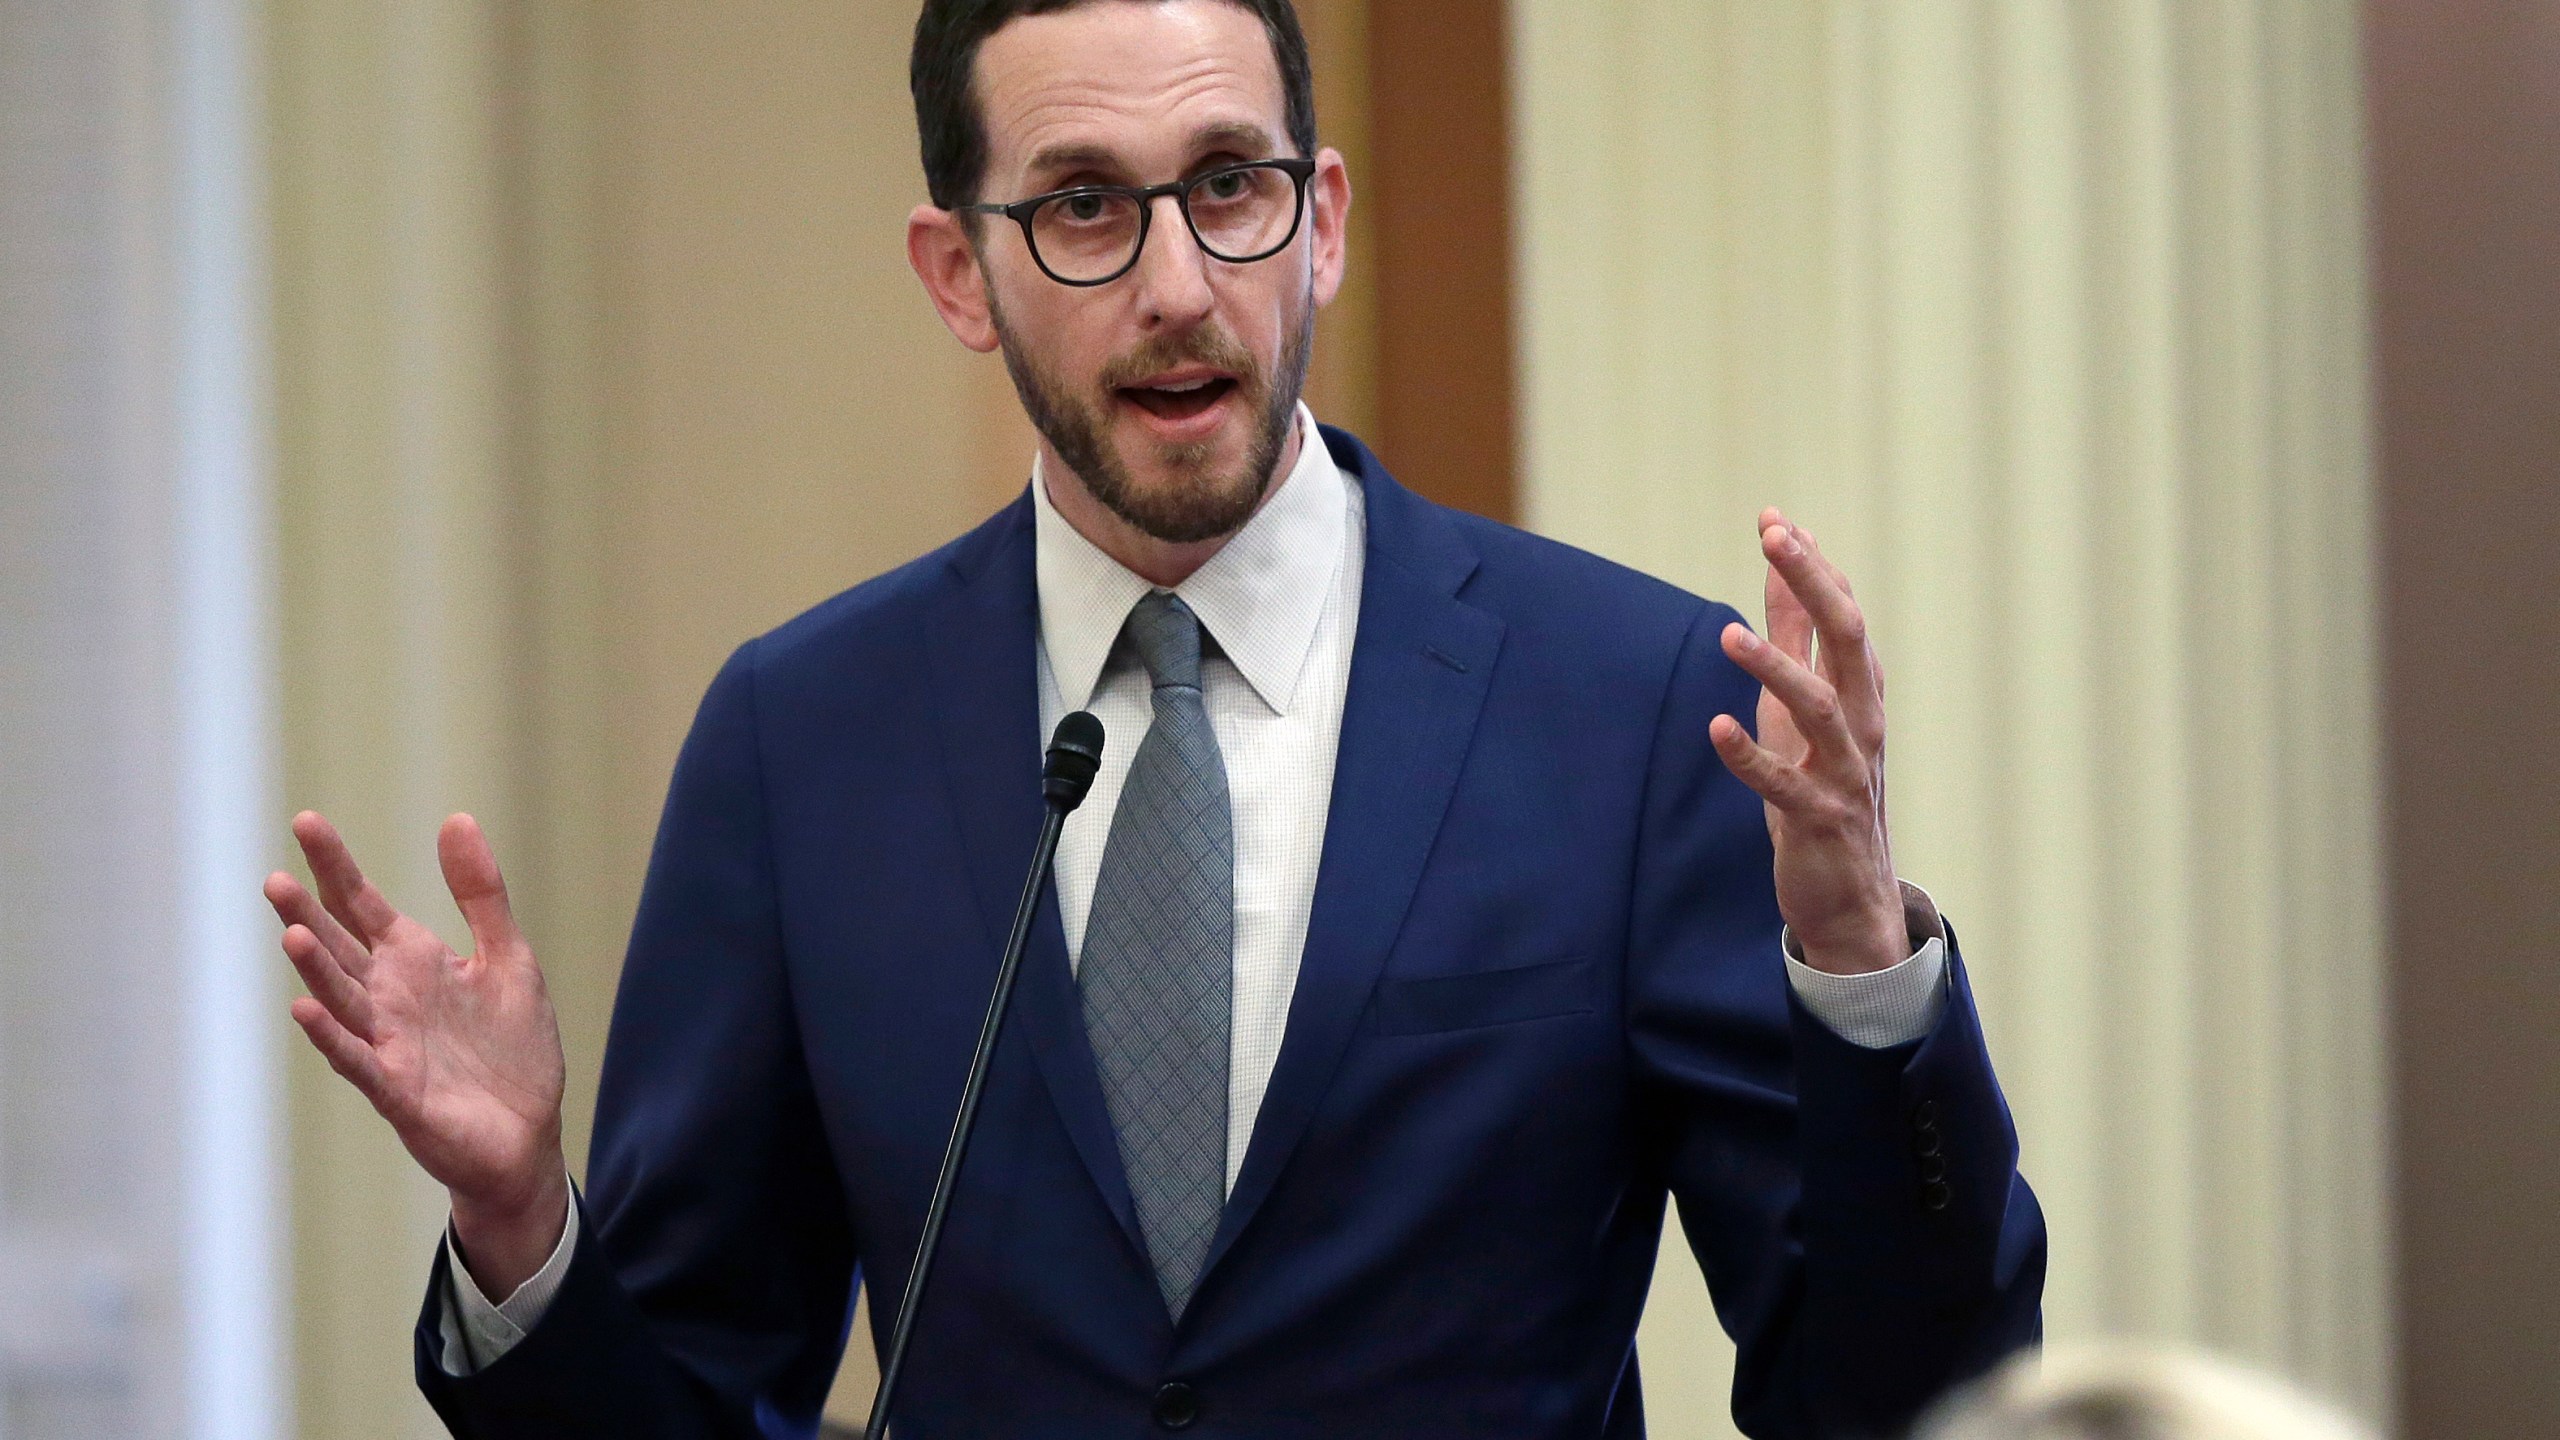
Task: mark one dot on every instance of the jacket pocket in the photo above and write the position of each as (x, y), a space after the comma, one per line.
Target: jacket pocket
(1492, 997)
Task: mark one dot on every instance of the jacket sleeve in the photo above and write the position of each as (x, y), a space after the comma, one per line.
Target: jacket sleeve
(711, 1288)
(1858, 1213)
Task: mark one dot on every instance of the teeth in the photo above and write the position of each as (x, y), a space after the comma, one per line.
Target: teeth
(1186, 387)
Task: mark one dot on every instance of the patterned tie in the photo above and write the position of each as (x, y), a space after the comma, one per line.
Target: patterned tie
(1159, 953)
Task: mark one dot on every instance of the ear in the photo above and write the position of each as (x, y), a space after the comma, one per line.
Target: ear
(939, 249)
(1331, 197)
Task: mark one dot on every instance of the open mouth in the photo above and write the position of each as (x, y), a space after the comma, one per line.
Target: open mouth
(1180, 400)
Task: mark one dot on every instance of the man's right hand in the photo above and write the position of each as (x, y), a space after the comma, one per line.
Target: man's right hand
(460, 1053)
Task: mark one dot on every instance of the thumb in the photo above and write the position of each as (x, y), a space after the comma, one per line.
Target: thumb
(479, 891)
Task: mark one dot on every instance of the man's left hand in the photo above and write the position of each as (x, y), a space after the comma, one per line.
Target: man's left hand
(1819, 762)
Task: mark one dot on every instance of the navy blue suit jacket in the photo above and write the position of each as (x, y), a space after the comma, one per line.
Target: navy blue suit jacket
(1541, 992)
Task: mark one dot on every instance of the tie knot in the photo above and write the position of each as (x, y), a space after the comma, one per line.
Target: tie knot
(1167, 635)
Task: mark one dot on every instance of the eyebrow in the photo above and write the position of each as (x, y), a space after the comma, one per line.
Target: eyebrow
(1237, 136)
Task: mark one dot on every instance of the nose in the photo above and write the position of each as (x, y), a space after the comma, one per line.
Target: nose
(1173, 271)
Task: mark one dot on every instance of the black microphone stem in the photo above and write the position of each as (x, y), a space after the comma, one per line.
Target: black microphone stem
(1058, 804)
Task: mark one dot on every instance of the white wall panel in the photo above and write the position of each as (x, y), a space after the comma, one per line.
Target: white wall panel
(141, 1267)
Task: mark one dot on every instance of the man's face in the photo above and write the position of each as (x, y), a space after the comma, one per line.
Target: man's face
(1169, 391)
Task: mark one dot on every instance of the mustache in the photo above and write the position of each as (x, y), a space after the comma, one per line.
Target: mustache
(1203, 345)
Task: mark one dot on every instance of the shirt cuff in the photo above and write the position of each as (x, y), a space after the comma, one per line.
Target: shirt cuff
(475, 1332)
(1888, 1007)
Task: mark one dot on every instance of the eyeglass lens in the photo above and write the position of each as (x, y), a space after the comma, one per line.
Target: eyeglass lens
(1240, 214)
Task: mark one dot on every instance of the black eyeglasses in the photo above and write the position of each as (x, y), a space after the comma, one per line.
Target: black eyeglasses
(1091, 234)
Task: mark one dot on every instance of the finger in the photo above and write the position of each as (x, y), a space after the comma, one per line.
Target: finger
(343, 888)
(1810, 700)
(1773, 779)
(1875, 662)
(295, 905)
(1836, 618)
(1790, 624)
(329, 983)
(479, 891)
(353, 1059)
(1839, 576)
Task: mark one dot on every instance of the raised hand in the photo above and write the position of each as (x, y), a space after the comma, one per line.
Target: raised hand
(461, 1053)
(1819, 762)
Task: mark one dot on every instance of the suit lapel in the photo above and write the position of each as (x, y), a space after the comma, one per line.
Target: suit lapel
(1421, 661)
(986, 696)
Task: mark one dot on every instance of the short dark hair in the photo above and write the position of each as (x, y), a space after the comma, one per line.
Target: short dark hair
(940, 74)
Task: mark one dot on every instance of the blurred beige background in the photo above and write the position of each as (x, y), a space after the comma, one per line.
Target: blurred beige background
(406, 405)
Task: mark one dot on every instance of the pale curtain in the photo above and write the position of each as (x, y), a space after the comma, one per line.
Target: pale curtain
(2048, 317)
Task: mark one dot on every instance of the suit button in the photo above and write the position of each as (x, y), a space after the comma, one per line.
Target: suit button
(1933, 1169)
(1177, 1405)
(1935, 1195)
(1925, 1114)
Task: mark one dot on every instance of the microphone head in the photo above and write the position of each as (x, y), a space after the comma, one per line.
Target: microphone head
(1075, 753)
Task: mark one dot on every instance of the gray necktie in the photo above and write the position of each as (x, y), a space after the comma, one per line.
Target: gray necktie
(1157, 971)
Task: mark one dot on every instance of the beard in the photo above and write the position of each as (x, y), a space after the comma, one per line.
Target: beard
(1198, 500)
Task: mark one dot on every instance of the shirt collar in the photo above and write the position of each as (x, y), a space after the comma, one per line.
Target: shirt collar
(1259, 597)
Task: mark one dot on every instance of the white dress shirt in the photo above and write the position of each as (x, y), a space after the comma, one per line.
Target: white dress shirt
(1280, 604)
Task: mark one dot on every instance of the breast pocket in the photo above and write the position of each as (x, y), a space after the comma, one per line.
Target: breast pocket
(1432, 1004)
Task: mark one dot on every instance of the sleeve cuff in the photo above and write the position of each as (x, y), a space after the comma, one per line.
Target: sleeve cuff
(1888, 1007)
(475, 1332)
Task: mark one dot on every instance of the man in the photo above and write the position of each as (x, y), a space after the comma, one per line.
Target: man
(1421, 934)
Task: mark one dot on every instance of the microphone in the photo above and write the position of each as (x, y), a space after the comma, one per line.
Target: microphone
(1075, 754)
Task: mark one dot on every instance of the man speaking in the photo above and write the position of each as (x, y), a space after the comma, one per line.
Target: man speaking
(1435, 915)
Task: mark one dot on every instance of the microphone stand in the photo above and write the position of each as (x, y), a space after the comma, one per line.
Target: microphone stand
(1075, 754)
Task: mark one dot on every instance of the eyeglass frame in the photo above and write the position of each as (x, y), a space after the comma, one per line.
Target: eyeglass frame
(1298, 169)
